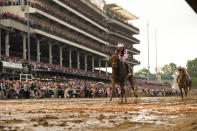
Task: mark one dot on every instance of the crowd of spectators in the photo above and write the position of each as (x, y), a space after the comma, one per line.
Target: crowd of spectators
(145, 81)
(153, 91)
(39, 89)
(74, 88)
(154, 88)
(54, 67)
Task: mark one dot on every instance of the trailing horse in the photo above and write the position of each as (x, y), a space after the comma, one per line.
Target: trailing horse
(119, 75)
(182, 82)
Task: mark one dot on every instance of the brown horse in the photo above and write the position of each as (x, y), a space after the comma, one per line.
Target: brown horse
(119, 75)
(182, 83)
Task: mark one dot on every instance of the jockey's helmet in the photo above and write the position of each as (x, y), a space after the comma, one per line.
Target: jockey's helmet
(120, 45)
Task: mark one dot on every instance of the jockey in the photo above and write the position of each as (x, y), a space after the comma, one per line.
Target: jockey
(182, 69)
(122, 53)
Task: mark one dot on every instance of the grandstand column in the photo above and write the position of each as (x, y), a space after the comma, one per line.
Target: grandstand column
(106, 65)
(61, 58)
(50, 53)
(99, 66)
(24, 47)
(78, 61)
(70, 58)
(38, 51)
(85, 62)
(92, 63)
(7, 46)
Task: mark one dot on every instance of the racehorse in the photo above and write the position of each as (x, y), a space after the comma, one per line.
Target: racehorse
(182, 82)
(119, 75)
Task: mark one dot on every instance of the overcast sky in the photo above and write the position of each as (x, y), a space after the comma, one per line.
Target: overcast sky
(176, 25)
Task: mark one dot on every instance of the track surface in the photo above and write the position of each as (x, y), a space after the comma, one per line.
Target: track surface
(148, 114)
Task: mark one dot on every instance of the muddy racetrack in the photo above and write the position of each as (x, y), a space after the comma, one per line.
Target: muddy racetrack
(148, 114)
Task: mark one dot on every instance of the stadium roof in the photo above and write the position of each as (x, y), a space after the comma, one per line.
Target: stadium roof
(193, 4)
(124, 13)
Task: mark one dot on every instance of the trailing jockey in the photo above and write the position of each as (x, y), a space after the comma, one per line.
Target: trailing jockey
(122, 53)
(187, 77)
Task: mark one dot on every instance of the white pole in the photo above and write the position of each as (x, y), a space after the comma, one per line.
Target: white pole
(148, 47)
(156, 50)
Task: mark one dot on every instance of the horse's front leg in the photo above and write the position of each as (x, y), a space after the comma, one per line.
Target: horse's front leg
(181, 93)
(131, 83)
(112, 90)
(185, 89)
(122, 93)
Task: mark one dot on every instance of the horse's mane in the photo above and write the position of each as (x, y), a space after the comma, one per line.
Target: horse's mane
(116, 69)
(119, 72)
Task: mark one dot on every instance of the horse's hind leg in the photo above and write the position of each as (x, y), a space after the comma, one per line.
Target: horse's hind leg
(190, 86)
(125, 97)
(131, 83)
(112, 91)
(122, 93)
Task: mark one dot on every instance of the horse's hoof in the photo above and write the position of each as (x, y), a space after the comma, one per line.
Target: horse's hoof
(135, 101)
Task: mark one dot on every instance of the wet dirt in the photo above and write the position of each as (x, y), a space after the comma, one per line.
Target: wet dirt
(98, 114)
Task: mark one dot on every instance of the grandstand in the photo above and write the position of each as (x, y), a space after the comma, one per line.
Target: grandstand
(68, 38)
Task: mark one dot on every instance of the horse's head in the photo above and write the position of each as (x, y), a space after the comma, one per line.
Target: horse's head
(180, 70)
(114, 61)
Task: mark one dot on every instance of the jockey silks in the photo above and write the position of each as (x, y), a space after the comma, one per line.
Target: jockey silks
(123, 54)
